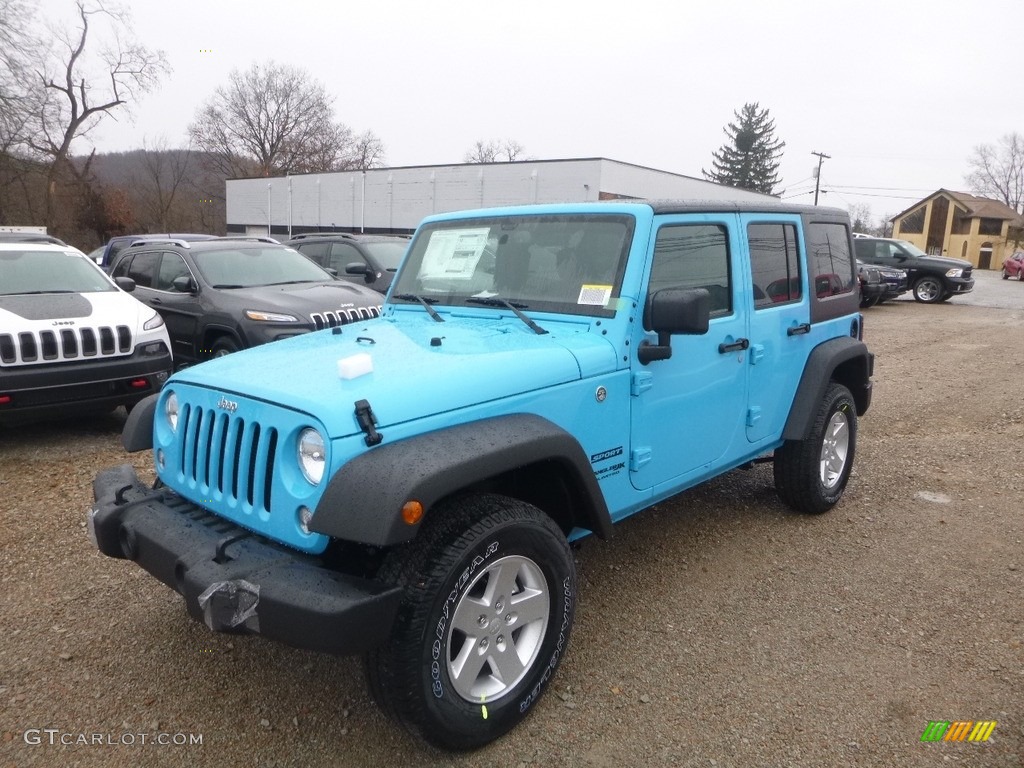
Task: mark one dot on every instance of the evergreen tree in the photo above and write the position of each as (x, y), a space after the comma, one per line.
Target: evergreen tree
(750, 159)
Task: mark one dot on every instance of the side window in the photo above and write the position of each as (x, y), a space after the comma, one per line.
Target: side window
(316, 251)
(343, 254)
(143, 269)
(694, 256)
(830, 259)
(172, 266)
(121, 268)
(774, 263)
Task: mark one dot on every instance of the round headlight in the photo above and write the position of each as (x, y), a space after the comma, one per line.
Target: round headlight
(311, 455)
(171, 410)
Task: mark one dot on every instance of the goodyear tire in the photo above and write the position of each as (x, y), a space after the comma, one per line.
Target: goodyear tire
(490, 592)
(811, 474)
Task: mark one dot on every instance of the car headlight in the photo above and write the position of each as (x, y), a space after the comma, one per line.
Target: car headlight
(312, 455)
(171, 410)
(154, 322)
(270, 317)
(954, 273)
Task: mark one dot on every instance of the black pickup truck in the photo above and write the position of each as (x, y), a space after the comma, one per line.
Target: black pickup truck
(931, 278)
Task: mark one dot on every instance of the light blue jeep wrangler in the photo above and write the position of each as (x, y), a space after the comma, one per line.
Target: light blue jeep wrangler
(407, 488)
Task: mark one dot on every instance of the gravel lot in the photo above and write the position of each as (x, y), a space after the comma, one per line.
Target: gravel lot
(717, 629)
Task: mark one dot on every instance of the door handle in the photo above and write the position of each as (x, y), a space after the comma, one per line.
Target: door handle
(796, 330)
(737, 346)
(156, 300)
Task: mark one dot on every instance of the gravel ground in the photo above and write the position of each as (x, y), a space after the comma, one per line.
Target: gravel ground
(716, 629)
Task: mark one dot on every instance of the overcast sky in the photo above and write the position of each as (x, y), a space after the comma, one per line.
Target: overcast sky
(898, 92)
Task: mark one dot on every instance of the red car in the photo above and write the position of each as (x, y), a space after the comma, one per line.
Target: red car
(1014, 266)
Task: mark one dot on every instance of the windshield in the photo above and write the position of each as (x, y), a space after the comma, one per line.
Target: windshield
(910, 248)
(32, 270)
(389, 254)
(567, 263)
(251, 266)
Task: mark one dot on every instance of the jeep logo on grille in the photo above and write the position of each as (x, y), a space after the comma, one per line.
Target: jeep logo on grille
(63, 322)
(227, 405)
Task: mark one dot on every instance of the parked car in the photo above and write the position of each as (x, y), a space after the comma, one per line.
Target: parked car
(871, 287)
(931, 278)
(119, 243)
(71, 339)
(1014, 266)
(894, 281)
(225, 294)
(409, 491)
(368, 259)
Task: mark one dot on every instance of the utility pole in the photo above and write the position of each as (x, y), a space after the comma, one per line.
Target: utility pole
(822, 157)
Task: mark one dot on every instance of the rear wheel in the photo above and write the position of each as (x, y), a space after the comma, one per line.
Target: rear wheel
(490, 591)
(811, 474)
(928, 289)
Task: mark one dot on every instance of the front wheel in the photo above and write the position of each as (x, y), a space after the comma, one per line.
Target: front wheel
(811, 474)
(1006, 275)
(490, 592)
(928, 289)
(224, 346)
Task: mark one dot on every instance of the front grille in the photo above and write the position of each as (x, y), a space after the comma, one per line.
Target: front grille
(967, 273)
(67, 344)
(336, 317)
(228, 458)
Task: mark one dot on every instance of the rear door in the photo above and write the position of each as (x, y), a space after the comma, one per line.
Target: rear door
(780, 320)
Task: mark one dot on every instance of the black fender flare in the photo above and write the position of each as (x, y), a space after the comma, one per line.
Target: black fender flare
(137, 433)
(845, 360)
(363, 500)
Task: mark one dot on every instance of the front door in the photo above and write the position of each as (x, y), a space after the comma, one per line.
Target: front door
(688, 412)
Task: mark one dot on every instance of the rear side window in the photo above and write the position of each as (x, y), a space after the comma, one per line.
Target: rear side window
(316, 251)
(774, 263)
(694, 256)
(830, 259)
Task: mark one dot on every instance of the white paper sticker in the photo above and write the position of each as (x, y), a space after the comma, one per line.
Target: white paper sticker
(595, 295)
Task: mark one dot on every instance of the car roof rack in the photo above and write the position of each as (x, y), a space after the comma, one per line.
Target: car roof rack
(160, 241)
(30, 237)
(252, 238)
(306, 235)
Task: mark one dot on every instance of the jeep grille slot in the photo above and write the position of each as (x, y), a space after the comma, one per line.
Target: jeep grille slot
(336, 317)
(228, 460)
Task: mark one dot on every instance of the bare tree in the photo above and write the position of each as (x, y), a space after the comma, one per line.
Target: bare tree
(494, 151)
(81, 87)
(367, 152)
(160, 185)
(997, 171)
(271, 119)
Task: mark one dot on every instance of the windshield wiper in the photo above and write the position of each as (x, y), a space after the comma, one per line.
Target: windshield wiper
(496, 302)
(295, 282)
(425, 302)
(222, 285)
(40, 293)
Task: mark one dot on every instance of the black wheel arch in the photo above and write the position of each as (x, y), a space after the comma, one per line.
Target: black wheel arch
(519, 455)
(845, 360)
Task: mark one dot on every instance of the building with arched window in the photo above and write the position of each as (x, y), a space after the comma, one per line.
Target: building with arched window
(958, 224)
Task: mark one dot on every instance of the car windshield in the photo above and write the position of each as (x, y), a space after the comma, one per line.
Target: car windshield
(565, 263)
(912, 249)
(388, 253)
(251, 266)
(30, 270)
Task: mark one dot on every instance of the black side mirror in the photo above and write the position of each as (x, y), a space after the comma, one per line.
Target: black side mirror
(126, 284)
(359, 268)
(183, 284)
(670, 311)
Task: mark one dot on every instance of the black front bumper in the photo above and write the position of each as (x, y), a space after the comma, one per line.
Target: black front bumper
(233, 580)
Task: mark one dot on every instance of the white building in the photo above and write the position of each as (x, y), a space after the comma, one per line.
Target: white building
(394, 200)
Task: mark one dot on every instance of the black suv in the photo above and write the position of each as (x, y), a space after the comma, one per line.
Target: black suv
(368, 259)
(219, 296)
(931, 278)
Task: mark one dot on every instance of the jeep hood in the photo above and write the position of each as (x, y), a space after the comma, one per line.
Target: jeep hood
(473, 361)
(307, 297)
(40, 312)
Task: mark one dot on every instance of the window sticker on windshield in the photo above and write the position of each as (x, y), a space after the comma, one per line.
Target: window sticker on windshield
(454, 253)
(595, 295)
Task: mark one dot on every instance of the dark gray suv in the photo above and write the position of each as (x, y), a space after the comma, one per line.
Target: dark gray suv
(219, 296)
(931, 278)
